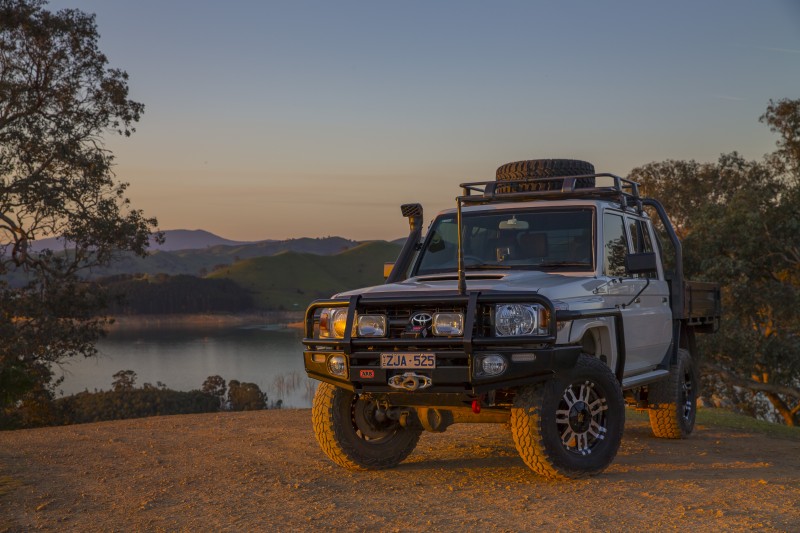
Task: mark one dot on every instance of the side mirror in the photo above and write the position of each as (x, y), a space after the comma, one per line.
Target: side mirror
(644, 263)
(387, 269)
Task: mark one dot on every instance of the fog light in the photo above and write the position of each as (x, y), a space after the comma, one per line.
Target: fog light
(336, 365)
(490, 365)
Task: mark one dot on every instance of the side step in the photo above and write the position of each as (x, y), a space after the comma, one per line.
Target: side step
(644, 379)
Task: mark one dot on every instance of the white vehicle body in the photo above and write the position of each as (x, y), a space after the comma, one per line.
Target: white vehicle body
(646, 310)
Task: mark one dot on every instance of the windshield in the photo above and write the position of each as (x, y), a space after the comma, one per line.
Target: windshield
(544, 239)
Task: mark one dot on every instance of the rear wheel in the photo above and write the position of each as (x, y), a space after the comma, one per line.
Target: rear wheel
(673, 402)
(543, 168)
(570, 426)
(353, 434)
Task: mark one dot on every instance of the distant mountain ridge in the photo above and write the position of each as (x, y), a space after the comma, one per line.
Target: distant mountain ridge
(193, 239)
(201, 261)
(285, 274)
(175, 239)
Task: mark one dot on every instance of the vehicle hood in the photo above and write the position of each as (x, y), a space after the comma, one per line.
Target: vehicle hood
(546, 283)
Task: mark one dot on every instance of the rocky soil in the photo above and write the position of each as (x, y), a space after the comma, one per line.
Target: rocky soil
(264, 471)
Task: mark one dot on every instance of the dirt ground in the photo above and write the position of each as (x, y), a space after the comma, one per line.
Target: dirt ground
(263, 471)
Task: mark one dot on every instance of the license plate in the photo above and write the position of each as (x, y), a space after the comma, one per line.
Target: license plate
(408, 360)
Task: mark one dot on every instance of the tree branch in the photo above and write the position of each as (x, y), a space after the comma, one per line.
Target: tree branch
(750, 384)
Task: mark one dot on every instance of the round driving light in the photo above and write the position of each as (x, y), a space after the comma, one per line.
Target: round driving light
(492, 365)
(332, 321)
(338, 321)
(336, 365)
(515, 319)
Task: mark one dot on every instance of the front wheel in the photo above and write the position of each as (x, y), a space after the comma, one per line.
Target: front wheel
(353, 434)
(570, 426)
(673, 402)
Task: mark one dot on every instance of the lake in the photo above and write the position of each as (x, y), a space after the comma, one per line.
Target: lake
(182, 358)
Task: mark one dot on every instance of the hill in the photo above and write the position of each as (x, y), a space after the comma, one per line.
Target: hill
(191, 239)
(199, 262)
(174, 239)
(290, 280)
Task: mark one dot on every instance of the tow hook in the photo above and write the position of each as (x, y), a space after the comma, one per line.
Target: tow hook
(476, 407)
(410, 381)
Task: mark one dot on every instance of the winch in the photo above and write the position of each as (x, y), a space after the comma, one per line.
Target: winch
(410, 381)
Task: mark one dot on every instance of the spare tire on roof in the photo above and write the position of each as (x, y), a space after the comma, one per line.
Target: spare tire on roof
(544, 168)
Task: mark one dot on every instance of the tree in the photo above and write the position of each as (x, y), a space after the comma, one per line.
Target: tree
(215, 386)
(783, 118)
(740, 224)
(58, 99)
(245, 396)
(124, 380)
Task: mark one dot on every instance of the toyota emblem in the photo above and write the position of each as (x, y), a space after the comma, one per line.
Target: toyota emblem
(421, 320)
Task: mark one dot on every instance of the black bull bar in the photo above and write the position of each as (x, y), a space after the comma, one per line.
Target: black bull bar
(469, 343)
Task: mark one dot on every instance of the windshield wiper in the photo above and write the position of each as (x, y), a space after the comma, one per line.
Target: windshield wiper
(555, 264)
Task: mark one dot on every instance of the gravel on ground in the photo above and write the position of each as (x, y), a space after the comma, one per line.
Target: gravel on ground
(264, 471)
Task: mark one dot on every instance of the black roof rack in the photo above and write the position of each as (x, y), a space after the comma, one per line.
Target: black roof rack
(623, 191)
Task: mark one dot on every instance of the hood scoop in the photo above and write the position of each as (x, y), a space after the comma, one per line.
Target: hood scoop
(454, 277)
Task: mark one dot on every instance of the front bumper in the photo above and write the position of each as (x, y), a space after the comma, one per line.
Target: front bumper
(455, 357)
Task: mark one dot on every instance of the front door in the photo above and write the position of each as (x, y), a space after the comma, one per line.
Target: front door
(643, 299)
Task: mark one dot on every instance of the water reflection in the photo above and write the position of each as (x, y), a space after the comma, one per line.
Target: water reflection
(269, 356)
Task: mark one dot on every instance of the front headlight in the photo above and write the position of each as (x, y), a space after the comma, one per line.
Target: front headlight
(519, 319)
(332, 321)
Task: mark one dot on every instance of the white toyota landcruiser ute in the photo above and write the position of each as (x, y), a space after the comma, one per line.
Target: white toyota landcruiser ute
(545, 300)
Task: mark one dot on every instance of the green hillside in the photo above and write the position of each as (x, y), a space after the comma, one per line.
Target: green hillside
(291, 280)
(202, 260)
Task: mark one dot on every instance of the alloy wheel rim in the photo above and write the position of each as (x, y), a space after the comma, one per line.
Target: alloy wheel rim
(581, 418)
(687, 395)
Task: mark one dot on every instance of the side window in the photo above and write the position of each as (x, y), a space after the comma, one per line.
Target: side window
(640, 237)
(615, 246)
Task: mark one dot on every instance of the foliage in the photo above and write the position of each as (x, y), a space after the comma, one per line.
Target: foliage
(215, 386)
(125, 400)
(245, 396)
(124, 380)
(131, 403)
(163, 294)
(783, 118)
(58, 98)
(740, 225)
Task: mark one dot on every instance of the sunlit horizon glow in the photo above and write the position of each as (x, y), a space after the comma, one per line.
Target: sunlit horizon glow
(306, 119)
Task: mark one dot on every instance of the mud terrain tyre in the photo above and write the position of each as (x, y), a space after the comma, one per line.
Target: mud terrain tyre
(348, 432)
(673, 402)
(543, 168)
(571, 425)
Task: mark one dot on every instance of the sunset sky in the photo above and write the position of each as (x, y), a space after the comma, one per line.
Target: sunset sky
(271, 120)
